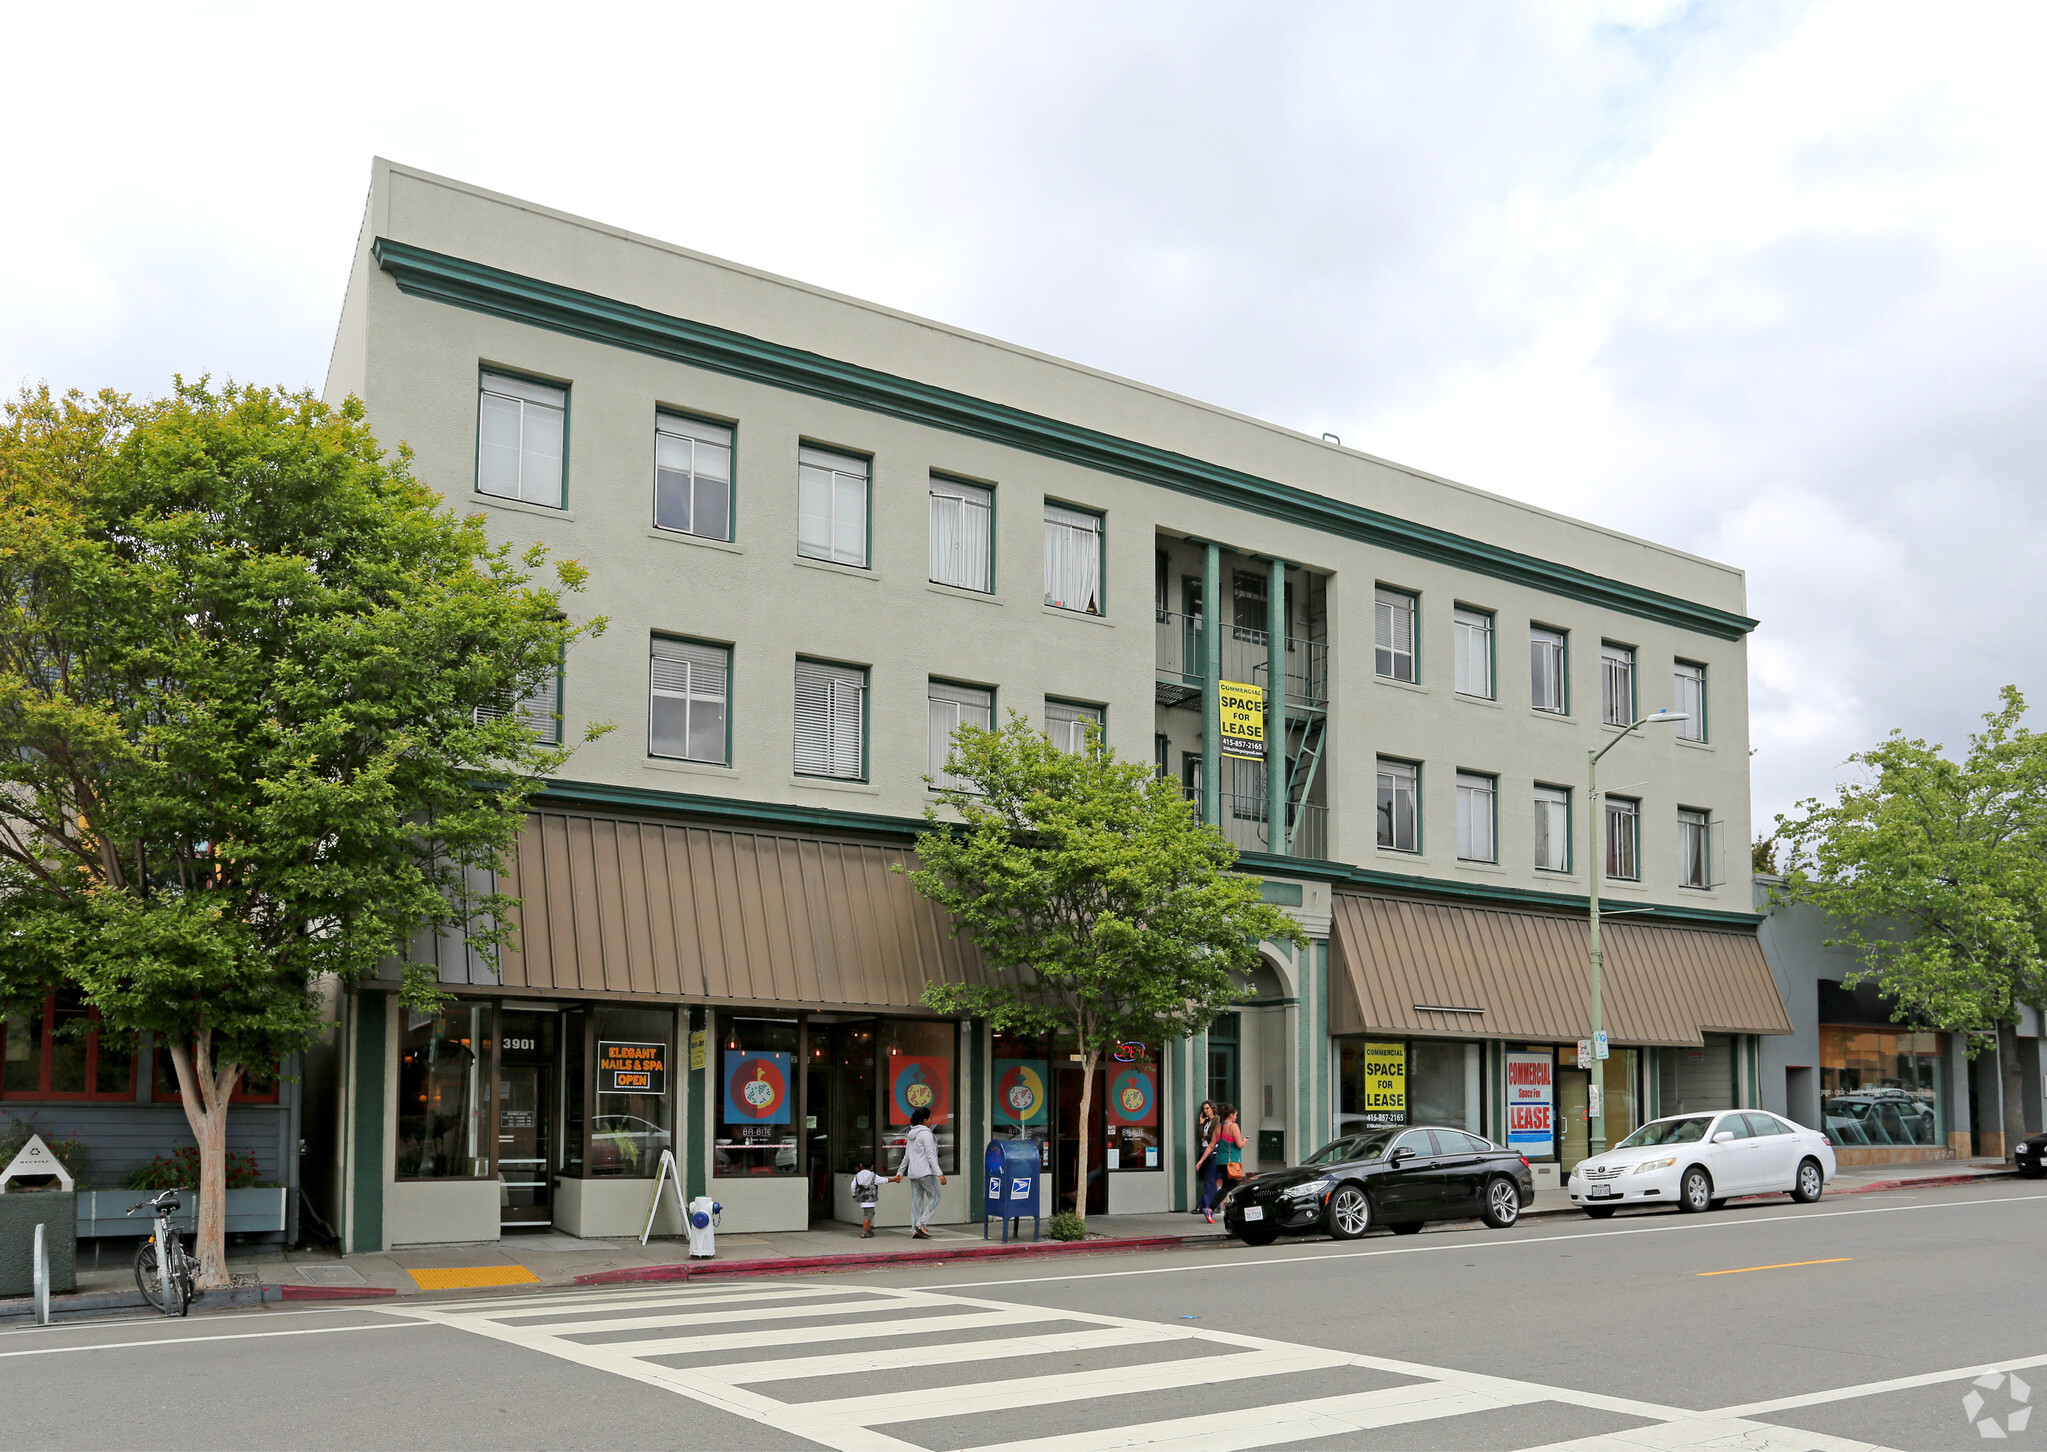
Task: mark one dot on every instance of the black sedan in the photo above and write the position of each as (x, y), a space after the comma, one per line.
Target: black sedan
(1399, 1178)
(2031, 1156)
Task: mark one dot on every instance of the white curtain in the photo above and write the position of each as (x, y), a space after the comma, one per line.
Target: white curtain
(1073, 559)
(961, 515)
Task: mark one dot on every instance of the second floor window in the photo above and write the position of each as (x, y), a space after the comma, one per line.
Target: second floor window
(1617, 684)
(1073, 559)
(1546, 682)
(521, 431)
(692, 477)
(1393, 634)
(1474, 653)
(952, 707)
(831, 507)
(962, 537)
(1552, 829)
(1475, 804)
(1690, 698)
(831, 720)
(688, 694)
(1623, 820)
(57, 1049)
(541, 710)
(1399, 805)
(1694, 848)
(1067, 724)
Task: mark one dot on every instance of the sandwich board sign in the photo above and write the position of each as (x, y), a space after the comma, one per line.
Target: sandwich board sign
(35, 1162)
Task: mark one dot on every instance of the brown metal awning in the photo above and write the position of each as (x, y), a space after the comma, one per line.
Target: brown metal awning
(618, 906)
(1409, 966)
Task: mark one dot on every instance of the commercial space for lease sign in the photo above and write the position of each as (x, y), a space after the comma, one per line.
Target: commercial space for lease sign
(1531, 1103)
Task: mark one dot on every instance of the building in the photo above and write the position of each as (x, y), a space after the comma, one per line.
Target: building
(825, 533)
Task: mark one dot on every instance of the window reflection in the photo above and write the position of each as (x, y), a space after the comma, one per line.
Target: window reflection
(1880, 1086)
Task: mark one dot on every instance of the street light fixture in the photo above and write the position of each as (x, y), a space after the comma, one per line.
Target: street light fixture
(1595, 1096)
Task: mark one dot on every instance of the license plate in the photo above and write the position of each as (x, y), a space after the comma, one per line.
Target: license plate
(1254, 1212)
(1603, 1192)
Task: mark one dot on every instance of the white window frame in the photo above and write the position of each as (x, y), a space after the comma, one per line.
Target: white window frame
(1394, 616)
(1398, 779)
(1623, 847)
(831, 720)
(949, 706)
(834, 495)
(1695, 848)
(1549, 663)
(1478, 837)
(540, 709)
(701, 452)
(1616, 684)
(962, 535)
(1688, 678)
(538, 415)
(1074, 543)
(1552, 828)
(698, 674)
(1066, 723)
(1474, 631)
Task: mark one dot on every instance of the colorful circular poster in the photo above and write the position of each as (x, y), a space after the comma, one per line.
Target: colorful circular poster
(918, 1081)
(1132, 1094)
(757, 1088)
(1020, 1094)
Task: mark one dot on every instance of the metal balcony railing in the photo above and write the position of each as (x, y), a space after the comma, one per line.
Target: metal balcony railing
(1245, 824)
(1244, 658)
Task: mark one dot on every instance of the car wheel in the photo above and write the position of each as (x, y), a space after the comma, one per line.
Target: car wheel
(1406, 1227)
(1810, 1184)
(1350, 1213)
(1719, 1203)
(2032, 1172)
(1600, 1212)
(1258, 1234)
(1502, 1204)
(1695, 1192)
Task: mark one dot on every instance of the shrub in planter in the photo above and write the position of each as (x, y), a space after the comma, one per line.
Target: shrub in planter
(70, 1152)
(179, 1170)
(1067, 1226)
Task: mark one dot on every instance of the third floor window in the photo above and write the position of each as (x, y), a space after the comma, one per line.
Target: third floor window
(1399, 805)
(1393, 614)
(1547, 683)
(962, 537)
(1623, 819)
(1474, 653)
(1073, 559)
(831, 507)
(1690, 698)
(522, 428)
(1552, 829)
(692, 477)
(1616, 684)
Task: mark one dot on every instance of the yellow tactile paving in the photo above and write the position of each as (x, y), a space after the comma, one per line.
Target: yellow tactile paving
(461, 1278)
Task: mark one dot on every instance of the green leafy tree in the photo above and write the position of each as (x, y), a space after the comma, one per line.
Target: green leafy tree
(1936, 872)
(1102, 908)
(242, 652)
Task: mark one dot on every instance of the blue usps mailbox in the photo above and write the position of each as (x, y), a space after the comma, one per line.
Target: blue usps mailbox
(1011, 1168)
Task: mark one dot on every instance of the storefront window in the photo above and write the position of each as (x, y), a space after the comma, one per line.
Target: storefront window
(1371, 1084)
(917, 1064)
(633, 1122)
(1446, 1084)
(1880, 1086)
(1132, 1106)
(443, 1081)
(757, 1097)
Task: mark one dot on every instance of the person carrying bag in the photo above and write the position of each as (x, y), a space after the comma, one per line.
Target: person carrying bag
(1229, 1154)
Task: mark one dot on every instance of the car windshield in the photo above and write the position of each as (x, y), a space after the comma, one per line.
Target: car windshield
(1351, 1147)
(1668, 1131)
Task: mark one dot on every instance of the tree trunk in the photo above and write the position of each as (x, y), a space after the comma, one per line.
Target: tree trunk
(2012, 1084)
(1087, 1094)
(205, 1089)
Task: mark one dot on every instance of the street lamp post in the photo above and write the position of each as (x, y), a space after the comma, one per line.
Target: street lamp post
(1595, 1095)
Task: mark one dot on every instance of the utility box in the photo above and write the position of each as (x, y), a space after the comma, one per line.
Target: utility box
(1011, 1168)
(1271, 1146)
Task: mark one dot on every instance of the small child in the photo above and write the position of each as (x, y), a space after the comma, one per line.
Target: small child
(866, 1194)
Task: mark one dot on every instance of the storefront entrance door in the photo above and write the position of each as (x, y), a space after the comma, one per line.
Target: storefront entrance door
(1066, 1146)
(526, 1071)
(1573, 1128)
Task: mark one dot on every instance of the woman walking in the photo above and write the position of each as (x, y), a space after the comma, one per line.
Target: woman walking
(1205, 1126)
(1228, 1157)
(920, 1167)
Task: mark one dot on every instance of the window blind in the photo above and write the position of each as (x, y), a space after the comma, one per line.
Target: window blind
(541, 711)
(830, 719)
(687, 694)
(520, 429)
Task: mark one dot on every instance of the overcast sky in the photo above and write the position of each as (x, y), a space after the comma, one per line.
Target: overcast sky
(1761, 282)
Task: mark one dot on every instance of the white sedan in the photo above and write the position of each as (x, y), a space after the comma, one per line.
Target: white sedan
(1697, 1161)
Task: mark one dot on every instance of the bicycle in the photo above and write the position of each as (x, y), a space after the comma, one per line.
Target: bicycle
(166, 1283)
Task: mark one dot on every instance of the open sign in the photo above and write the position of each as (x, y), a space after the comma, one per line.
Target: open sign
(631, 1068)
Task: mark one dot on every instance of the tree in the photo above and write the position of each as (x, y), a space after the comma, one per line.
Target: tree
(1102, 907)
(1936, 871)
(242, 656)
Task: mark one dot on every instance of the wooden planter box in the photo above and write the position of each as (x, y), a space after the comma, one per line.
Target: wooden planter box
(104, 1212)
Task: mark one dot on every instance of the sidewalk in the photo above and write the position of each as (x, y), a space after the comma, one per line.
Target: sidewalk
(560, 1261)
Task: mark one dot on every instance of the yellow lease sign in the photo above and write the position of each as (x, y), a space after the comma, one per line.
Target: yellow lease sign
(1385, 1086)
(1243, 718)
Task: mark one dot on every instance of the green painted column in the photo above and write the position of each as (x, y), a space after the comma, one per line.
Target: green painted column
(979, 1099)
(1275, 710)
(696, 1138)
(366, 1173)
(1211, 674)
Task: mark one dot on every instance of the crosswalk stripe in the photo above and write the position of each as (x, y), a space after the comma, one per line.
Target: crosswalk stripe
(1703, 1432)
(658, 1317)
(1270, 1426)
(799, 1335)
(1027, 1391)
(847, 1363)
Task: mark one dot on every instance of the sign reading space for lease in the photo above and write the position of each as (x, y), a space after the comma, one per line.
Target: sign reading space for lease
(1531, 1091)
(631, 1068)
(1384, 1090)
(1243, 719)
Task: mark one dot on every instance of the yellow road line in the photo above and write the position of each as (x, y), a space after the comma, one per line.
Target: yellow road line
(1786, 1265)
(465, 1277)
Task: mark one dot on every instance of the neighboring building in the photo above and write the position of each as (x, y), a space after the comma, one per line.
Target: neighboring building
(1883, 1091)
(825, 534)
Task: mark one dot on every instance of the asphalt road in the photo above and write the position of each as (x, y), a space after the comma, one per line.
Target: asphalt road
(1854, 1322)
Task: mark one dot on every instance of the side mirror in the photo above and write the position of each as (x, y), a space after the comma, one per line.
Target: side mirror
(1400, 1156)
(1726, 1136)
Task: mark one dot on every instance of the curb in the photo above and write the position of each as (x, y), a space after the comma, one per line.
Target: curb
(331, 1293)
(82, 1305)
(1928, 1180)
(800, 1265)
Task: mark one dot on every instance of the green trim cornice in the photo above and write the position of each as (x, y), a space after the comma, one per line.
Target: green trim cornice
(742, 815)
(461, 283)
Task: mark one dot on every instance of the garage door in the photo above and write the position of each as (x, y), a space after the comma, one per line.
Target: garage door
(1690, 1080)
